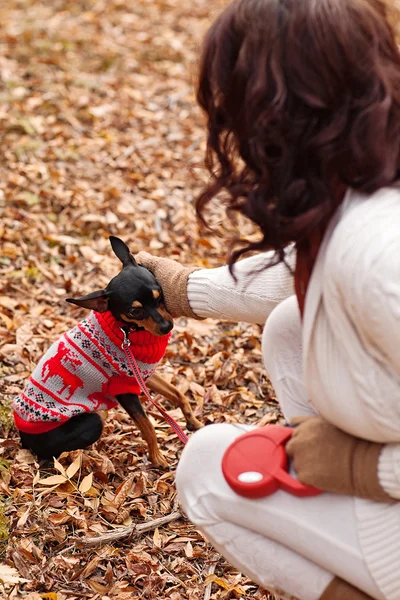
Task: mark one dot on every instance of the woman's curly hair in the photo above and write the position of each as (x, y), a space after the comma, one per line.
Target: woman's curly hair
(302, 99)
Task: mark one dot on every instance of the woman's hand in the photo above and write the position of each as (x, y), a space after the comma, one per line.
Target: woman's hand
(333, 461)
(173, 279)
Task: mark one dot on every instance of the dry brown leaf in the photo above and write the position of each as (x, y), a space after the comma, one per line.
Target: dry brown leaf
(86, 483)
(224, 584)
(53, 480)
(123, 490)
(197, 389)
(24, 517)
(23, 334)
(157, 540)
(9, 323)
(90, 255)
(25, 457)
(74, 466)
(102, 137)
(59, 518)
(10, 576)
(8, 302)
(60, 468)
(90, 567)
(109, 575)
(189, 550)
(98, 587)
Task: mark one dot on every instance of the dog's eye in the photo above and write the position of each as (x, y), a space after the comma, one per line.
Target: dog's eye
(136, 313)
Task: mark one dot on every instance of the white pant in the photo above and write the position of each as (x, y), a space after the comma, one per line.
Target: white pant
(288, 545)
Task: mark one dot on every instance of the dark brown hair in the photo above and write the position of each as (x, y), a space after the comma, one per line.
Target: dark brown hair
(302, 99)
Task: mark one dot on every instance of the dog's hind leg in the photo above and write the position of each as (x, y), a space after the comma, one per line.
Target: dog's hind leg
(131, 403)
(160, 386)
(77, 433)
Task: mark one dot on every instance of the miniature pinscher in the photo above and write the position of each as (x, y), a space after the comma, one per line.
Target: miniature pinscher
(86, 371)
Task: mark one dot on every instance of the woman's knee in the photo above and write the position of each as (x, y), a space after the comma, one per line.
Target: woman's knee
(194, 465)
(282, 332)
(199, 471)
(282, 355)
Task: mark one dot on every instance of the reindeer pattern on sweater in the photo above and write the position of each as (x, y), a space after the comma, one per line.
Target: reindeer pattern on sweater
(83, 371)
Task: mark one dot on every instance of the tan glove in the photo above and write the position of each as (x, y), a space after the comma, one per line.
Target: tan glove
(173, 278)
(341, 590)
(333, 461)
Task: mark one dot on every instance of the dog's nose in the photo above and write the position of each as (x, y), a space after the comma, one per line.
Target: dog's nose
(166, 327)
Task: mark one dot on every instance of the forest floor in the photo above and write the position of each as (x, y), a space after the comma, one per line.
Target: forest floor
(100, 135)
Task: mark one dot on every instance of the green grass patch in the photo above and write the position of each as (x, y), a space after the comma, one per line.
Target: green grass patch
(4, 528)
(6, 415)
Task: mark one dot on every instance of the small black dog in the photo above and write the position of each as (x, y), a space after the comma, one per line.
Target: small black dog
(86, 370)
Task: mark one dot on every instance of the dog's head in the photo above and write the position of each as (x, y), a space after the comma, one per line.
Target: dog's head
(133, 296)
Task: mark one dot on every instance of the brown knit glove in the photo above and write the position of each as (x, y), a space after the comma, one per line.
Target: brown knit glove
(341, 590)
(173, 278)
(333, 461)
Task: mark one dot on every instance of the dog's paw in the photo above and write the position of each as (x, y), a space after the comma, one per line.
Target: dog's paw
(194, 424)
(158, 461)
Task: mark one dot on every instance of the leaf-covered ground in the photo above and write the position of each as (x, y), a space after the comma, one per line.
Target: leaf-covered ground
(100, 135)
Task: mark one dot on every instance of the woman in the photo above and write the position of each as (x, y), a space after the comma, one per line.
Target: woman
(303, 105)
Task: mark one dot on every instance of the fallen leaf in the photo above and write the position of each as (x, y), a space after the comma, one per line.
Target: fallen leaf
(157, 538)
(224, 584)
(10, 576)
(74, 466)
(86, 483)
(189, 550)
(111, 143)
(25, 457)
(53, 480)
(8, 302)
(23, 334)
(9, 323)
(59, 518)
(59, 467)
(123, 491)
(98, 587)
(24, 517)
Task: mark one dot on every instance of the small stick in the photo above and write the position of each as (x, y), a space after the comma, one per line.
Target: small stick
(123, 532)
(207, 591)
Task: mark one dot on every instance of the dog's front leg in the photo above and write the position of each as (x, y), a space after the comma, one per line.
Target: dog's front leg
(131, 403)
(160, 386)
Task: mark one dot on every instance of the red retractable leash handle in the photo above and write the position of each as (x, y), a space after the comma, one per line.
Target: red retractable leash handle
(256, 465)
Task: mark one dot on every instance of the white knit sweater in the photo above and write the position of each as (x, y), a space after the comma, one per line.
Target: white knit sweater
(351, 344)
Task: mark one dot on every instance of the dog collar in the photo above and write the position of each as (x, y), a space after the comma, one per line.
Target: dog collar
(129, 327)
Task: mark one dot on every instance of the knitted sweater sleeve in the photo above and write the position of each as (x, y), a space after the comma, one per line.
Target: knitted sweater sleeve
(214, 293)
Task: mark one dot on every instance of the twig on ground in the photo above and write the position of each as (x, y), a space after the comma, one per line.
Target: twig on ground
(124, 532)
(207, 591)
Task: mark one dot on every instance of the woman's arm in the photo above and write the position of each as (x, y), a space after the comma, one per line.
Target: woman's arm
(214, 293)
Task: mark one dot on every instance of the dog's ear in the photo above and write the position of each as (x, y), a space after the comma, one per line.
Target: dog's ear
(97, 301)
(122, 251)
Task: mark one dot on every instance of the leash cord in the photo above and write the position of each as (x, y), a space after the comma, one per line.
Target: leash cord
(133, 364)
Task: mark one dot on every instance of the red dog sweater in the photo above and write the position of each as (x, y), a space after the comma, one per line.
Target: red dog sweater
(83, 371)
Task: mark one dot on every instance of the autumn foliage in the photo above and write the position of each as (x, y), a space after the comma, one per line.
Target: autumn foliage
(100, 135)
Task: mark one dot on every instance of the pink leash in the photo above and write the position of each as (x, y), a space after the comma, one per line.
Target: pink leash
(133, 364)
